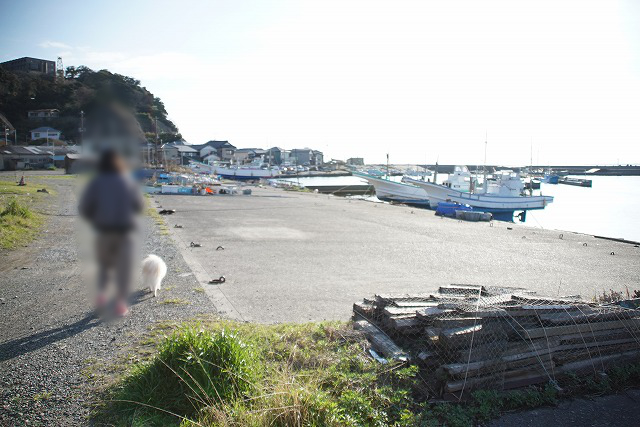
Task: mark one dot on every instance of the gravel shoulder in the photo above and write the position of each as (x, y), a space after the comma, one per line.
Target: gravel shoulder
(51, 344)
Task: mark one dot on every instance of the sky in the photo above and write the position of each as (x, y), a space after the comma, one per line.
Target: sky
(556, 82)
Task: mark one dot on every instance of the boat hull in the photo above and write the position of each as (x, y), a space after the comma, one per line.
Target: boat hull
(488, 203)
(396, 192)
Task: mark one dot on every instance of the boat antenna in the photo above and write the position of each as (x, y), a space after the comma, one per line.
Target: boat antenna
(388, 176)
(531, 154)
(484, 179)
(435, 175)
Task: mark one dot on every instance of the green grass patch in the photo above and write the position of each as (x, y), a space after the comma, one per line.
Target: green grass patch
(18, 223)
(177, 301)
(224, 373)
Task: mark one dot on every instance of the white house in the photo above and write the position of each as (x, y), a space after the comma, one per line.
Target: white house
(47, 113)
(206, 150)
(45, 132)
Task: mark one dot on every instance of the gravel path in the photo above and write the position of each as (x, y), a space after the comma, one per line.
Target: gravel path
(50, 341)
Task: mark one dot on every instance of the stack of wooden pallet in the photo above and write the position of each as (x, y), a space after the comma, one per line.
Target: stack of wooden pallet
(467, 337)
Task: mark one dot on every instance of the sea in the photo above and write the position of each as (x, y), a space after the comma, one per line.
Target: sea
(610, 208)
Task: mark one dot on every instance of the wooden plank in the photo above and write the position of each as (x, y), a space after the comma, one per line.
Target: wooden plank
(583, 327)
(363, 309)
(402, 324)
(536, 299)
(418, 304)
(535, 373)
(391, 298)
(474, 290)
(427, 314)
(398, 311)
(380, 341)
(577, 317)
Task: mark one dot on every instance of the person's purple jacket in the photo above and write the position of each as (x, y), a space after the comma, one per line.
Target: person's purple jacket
(111, 202)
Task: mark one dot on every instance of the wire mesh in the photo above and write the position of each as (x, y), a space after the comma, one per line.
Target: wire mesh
(467, 337)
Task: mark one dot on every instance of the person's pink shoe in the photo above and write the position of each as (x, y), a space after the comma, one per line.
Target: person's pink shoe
(121, 309)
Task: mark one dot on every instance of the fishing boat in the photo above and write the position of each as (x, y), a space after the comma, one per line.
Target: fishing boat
(576, 182)
(247, 173)
(550, 179)
(394, 191)
(502, 195)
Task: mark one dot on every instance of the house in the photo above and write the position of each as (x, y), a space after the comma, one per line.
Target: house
(249, 155)
(210, 159)
(45, 132)
(276, 156)
(45, 114)
(28, 64)
(148, 153)
(306, 157)
(301, 156)
(355, 161)
(178, 154)
(14, 157)
(317, 158)
(60, 154)
(223, 149)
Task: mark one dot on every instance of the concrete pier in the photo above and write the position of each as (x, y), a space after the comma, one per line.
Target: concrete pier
(293, 257)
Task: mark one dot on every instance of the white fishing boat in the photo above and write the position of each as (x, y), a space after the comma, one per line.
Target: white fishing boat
(503, 195)
(394, 191)
(237, 173)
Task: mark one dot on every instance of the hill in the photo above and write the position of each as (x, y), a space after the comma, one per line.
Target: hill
(82, 89)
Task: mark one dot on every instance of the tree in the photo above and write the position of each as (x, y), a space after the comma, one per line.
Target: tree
(71, 72)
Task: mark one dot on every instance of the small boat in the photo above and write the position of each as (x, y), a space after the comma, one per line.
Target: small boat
(550, 179)
(394, 191)
(237, 173)
(576, 182)
(501, 195)
(532, 184)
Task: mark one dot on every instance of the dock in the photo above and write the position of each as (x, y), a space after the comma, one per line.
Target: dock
(294, 256)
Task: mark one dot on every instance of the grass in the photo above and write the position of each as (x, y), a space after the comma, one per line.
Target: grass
(224, 373)
(18, 224)
(176, 301)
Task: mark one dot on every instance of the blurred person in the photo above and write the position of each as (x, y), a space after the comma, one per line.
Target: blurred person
(111, 203)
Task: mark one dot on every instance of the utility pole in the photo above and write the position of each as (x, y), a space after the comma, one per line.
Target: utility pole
(156, 158)
(81, 130)
(388, 176)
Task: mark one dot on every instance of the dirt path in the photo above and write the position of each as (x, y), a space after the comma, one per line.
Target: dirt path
(50, 341)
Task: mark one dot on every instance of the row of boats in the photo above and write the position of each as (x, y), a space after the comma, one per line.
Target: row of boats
(501, 194)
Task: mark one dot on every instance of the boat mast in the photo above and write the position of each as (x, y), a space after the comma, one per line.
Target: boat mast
(388, 176)
(484, 179)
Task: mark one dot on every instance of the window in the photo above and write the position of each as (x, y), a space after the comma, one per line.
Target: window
(36, 134)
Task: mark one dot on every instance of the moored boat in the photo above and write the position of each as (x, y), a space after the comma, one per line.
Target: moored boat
(576, 182)
(502, 195)
(237, 173)
(394, 191)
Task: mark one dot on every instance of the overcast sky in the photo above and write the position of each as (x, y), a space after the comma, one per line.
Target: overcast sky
(421, 80)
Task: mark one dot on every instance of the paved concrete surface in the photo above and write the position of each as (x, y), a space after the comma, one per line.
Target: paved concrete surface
(614, 410)
(300, 256)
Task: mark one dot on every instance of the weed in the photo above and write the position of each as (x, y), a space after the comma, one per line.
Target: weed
(193, 369)
(18, 224)
(42, 396)
(14, 208)
(177, 301)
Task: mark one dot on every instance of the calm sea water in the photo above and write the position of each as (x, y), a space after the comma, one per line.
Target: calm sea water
(610, 208)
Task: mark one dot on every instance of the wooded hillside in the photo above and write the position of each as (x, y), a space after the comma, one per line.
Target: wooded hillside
(82, 89)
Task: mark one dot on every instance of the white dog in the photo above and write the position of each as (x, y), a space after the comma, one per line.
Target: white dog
(153, 271)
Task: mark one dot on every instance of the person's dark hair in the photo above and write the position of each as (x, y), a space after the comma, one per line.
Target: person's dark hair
(110, 162)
